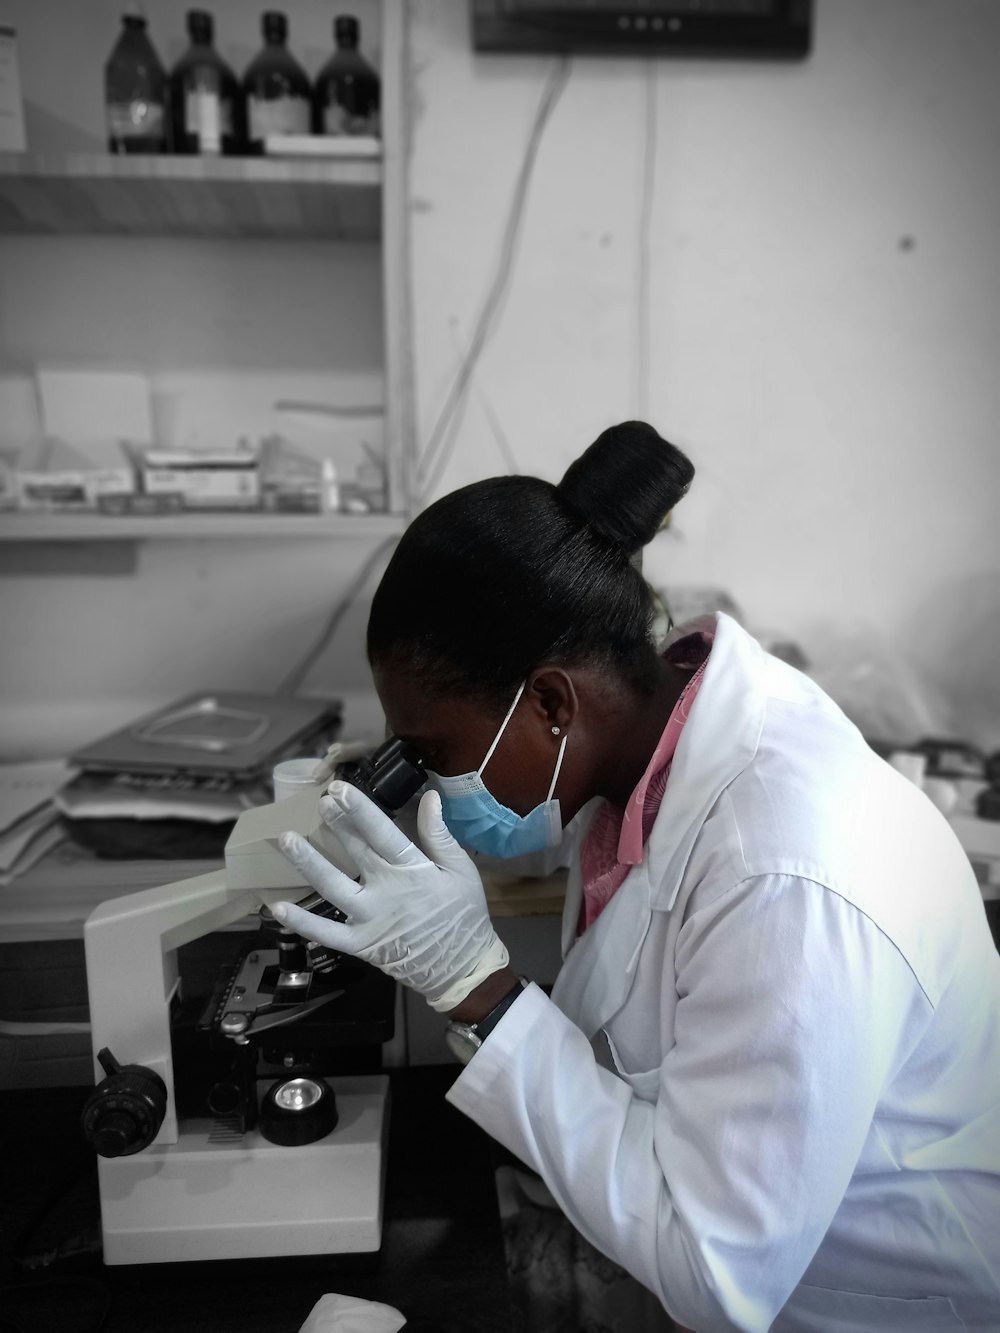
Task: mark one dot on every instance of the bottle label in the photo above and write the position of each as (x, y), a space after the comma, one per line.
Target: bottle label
(338, 120)
(135, 120)
(277, 115)
(208, 118)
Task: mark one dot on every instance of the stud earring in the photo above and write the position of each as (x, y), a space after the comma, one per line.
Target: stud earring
(555, 731)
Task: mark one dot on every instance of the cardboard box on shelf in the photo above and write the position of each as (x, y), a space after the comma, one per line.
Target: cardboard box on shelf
(291, 480)
(203, 478)
(51, 474)
(349, 440)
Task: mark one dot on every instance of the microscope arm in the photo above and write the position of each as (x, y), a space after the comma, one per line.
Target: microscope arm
(130, 945)
(131, 942)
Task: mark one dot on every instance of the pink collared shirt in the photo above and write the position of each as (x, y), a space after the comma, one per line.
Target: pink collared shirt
(615, 840)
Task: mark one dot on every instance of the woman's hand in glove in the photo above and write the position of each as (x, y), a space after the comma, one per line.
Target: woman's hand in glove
(419, 915)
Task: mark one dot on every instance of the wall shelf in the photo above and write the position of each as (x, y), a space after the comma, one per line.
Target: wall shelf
(99, 194)
(96, 527)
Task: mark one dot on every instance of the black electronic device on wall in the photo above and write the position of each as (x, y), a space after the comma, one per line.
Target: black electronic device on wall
(740, 28)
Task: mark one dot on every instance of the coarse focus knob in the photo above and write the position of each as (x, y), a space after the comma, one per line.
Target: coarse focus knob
(124, 1113)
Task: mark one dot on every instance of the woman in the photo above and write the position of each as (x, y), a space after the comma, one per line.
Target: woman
(768, 1080)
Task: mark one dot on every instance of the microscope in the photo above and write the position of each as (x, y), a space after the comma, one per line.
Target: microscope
(222, 1125)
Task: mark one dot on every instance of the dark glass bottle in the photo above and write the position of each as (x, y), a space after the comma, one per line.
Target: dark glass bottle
(347, 93)
(277, 89)
(135, 91)
(205, 98)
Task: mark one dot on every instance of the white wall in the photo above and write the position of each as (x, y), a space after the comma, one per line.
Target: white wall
(823, 286)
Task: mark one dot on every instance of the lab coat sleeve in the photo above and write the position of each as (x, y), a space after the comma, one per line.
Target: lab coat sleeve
(793, 1009)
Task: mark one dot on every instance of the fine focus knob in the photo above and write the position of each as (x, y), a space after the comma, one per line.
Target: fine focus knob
(113, 1133)
(124, 1113)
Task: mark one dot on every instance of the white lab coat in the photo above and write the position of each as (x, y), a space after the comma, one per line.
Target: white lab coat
(768, 1079)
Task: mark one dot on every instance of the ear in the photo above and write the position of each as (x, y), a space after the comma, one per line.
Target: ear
(552, 695)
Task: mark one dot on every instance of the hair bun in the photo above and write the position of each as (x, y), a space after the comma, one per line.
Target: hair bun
(626, 484)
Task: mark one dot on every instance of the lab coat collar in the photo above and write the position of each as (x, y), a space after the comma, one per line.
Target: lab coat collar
(718, 741)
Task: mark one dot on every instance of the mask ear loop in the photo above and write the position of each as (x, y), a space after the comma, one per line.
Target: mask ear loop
(559, 759)
(503, 728)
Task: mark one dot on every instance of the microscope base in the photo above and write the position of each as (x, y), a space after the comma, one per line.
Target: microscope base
(202, 1198)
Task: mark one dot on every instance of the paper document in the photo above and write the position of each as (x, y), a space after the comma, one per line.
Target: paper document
(29, 821)
(135, 796)
(94, 405)
(25, 787)
(49, 835)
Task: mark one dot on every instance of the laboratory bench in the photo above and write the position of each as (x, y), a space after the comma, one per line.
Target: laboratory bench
(441, 1264)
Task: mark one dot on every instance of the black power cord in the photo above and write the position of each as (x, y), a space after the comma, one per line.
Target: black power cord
(34, 1253)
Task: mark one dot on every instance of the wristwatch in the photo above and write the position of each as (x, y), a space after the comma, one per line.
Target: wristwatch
(465, 1039)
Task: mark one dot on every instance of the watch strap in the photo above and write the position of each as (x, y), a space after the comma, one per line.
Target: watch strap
(485, 1026)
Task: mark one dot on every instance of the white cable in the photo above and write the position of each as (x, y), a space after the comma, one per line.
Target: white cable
(645, 225)
(296, 677)
(428, 471)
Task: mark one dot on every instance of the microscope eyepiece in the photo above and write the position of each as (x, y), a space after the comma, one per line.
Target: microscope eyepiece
(389, 777)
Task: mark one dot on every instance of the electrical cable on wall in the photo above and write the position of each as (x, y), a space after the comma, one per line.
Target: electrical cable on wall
(293, 681)
(442, 441)
(441, 444)
(429, 473)
(499, 434)
(644, 333)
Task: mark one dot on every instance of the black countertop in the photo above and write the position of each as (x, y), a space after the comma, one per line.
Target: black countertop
(441, 1263)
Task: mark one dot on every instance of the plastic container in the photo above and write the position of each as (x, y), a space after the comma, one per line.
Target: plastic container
(293, 775)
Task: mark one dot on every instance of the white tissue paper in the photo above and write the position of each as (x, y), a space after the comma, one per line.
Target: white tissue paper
(350, 1314)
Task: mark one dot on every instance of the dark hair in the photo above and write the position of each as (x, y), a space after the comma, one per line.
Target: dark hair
(497, 577)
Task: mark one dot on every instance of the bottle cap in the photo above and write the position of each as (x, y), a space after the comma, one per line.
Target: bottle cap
(346, 30)
(200, 23)
(274, 25)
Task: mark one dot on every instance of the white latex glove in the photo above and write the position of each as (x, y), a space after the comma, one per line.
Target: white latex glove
(418, 915)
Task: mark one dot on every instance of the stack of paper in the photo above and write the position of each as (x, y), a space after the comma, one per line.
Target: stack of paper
(28, 817)
(213, 800)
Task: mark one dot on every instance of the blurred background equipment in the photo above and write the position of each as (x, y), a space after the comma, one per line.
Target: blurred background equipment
(172, 784)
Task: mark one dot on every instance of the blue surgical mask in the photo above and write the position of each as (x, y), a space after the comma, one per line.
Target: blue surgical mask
(477, 819)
